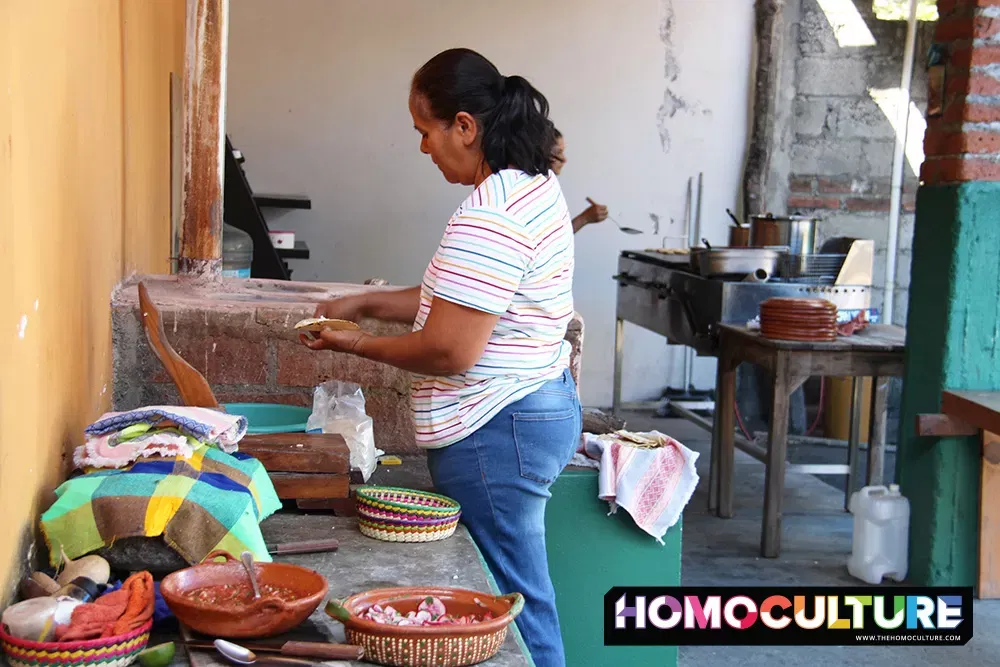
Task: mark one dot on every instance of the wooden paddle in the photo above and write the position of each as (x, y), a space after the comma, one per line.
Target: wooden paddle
(192, 385)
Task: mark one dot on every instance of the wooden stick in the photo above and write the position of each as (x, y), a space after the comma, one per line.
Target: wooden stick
(943, 426)
(192, 385)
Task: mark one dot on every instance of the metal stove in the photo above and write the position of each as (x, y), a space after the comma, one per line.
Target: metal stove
(658, 290)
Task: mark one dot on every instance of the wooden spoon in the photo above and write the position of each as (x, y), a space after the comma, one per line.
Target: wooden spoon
(192, 385)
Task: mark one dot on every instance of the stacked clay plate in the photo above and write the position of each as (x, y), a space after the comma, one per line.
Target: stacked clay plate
(394, 514)
(806, 320)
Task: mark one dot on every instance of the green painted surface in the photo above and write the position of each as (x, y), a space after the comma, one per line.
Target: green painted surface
(953, 342)
(271, 417)
(589, 553)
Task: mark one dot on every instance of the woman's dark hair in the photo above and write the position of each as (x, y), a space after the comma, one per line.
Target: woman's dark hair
(512, 115)
(556, 136)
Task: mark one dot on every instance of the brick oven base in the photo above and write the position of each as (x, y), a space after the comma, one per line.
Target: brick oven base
(238, 334)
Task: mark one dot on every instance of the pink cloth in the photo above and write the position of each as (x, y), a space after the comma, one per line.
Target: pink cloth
(207, 425)
(105, 452)
(652, 485)
(175, 430)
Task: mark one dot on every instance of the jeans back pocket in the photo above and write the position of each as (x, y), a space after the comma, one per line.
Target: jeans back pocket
(545, 442)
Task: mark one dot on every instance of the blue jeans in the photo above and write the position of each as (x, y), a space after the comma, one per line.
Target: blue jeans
(501, 476)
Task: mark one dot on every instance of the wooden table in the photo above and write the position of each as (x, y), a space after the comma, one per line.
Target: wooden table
(967, 413)
(876, 352)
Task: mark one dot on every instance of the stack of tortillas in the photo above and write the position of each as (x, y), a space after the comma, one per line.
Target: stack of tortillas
(321, 323)
(637, 440)
(807, 320)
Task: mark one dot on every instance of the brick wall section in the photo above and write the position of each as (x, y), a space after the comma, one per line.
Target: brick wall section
(963, 143)
(811, 194)
(238, 335)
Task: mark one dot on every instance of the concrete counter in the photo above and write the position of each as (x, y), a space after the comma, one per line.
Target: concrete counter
(363, 563)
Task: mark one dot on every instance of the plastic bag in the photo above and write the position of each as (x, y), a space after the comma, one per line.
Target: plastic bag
(339, 407)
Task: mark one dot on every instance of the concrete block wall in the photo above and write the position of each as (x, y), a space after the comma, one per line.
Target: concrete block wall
(238, 334)
(842, 150)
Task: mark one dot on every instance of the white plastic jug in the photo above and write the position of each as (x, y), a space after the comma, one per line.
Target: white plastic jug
(881, 534)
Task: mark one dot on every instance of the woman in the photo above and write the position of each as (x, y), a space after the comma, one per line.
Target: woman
(592, 214)
(492, 398)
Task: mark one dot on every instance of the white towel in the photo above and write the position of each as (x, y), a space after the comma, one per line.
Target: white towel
(653, 485)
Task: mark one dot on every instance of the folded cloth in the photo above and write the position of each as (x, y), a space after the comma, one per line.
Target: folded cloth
(112, 614)
(161, 612)
(206, 424)
(209, 501)
(583, 461)
(653, 480)
(117, 450)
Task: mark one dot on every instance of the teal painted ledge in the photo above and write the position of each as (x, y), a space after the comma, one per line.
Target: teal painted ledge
(953, 342)
(589, 553)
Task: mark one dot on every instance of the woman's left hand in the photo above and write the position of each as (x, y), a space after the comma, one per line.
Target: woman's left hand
(339, 341)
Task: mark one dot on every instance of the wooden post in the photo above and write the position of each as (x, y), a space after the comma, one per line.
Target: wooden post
(770, 26)
(988, 583)
(966, 413)
(204, 136)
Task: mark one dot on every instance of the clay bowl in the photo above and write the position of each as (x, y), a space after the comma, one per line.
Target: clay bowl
(266, 617)
(433, 646)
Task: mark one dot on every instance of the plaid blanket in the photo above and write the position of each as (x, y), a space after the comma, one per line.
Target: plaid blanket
(212, 500)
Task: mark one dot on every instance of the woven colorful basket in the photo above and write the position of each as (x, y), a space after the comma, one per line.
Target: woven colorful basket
(394, 514)
(118, 651)
(433, 646)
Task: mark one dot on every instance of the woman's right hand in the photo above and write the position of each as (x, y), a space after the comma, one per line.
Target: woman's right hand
(348, 308)
(388, 305)
(595, 212)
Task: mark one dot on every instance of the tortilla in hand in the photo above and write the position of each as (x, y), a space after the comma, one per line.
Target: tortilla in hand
(318, 324)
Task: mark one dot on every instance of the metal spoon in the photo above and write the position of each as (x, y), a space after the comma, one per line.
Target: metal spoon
(247, 559)
(627, 230)
(247, 653)
(244, 656)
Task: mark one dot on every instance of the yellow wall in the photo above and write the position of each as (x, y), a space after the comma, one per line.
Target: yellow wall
(154, 46)
(84, 197)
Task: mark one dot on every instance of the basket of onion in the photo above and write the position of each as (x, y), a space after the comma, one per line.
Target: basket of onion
(436, 627)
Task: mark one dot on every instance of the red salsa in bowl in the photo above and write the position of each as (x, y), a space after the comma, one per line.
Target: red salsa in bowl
(239, 594)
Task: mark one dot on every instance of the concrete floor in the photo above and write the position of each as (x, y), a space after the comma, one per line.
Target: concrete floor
(816, 543)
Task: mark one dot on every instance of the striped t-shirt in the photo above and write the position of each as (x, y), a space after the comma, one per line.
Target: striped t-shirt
(508, 250)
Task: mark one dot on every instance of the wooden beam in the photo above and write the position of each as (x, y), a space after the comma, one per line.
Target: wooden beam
(297, 486)
(770, 26)
(204, 140)
(943, 426)
(989, 518)
(299, 452)
(979, 408)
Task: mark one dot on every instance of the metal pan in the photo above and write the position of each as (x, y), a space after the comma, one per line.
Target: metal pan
(711, 262)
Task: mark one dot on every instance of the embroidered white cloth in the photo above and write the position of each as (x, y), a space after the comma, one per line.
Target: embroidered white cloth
(651, 475)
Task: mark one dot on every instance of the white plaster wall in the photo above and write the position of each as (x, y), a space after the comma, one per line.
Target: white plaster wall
(317, 101)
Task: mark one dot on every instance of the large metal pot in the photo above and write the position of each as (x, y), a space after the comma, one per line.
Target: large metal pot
(795, 232)
(733, 261)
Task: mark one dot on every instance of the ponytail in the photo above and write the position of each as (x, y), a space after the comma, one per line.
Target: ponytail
(512, 115)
